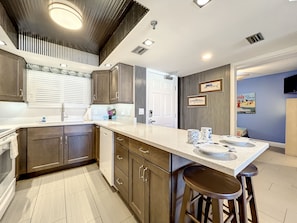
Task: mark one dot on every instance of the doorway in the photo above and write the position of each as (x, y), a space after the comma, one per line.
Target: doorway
(161, 98)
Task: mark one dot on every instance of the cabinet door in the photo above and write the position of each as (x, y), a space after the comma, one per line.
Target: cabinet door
(97, 143)
(100, 87)
(157, 194)
(125, 84)
(114, 88)
(45, 148)
(78, 143)
(12, 71)
(136, 185)
(21, 159)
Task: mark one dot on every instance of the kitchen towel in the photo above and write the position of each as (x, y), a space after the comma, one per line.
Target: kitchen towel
(14, 152)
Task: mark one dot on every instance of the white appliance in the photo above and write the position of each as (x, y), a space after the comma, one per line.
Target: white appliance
(106, 163)
(8, 152)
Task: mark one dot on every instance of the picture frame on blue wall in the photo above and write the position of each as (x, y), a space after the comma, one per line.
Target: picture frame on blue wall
(246, 103)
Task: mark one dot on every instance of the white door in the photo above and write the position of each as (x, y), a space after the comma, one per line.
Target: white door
(161, 99)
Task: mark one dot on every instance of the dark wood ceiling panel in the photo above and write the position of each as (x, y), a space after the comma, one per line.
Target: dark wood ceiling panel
(100, 20)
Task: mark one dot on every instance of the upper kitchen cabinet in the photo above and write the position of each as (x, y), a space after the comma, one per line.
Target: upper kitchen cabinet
(121, 84)
(12, 77)
(100, 87)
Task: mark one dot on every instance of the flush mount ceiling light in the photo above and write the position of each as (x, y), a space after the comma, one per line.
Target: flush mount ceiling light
(65, 14)
(206, 56)
(108, 65)
(2, 43)
(201, 3)
(148, 42)
(63, 65)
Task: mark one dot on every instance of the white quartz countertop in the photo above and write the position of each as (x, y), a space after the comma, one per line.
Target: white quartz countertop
(170, 140)
(175, 141)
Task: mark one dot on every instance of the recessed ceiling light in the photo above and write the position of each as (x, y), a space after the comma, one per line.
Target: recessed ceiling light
(63, 65)
(108, 65)
(65, 14)
(201, 3)
(206, 56)
(2, 43)
(148, 42)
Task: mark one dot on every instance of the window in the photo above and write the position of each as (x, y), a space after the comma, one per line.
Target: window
(47, 89)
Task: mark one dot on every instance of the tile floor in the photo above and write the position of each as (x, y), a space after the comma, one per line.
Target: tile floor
(81, 195)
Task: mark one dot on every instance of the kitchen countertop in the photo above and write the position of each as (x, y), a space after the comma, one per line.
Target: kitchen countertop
(175, 141)
(171, 140)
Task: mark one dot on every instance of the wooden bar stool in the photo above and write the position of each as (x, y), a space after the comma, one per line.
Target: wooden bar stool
(210, 184)
(247, 196)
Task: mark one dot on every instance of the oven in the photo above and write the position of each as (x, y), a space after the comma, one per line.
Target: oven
(8, 152)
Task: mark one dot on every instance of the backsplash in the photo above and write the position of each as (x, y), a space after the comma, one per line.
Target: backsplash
(14, 112)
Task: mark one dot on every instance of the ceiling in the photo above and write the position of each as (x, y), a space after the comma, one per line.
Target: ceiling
(185, 32)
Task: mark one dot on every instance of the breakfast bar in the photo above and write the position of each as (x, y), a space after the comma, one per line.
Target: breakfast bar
(175, 141)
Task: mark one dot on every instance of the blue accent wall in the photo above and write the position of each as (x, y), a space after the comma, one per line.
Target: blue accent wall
(269, 122)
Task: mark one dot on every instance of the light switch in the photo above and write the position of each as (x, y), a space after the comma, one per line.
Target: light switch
(141, 111)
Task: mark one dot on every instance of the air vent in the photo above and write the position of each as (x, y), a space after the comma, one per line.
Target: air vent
(139, 50)
(255, 38)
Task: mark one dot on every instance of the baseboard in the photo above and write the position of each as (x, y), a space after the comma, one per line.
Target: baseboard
(274, 144)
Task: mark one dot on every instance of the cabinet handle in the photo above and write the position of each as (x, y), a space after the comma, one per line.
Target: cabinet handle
(21, 92)
(119, 139)
(139, 172)
(145, 175)
(94, 97)
(118, 181)
(119, 157)
(117, 94)
(143, 151)
(61, 140)
(66, 138)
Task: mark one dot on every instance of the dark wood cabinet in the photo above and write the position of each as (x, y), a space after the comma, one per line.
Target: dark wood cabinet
(149, 183)
(50, 147)
(45, 148)
(21, 159)
(12, 77)
(78, 143)
(121, 160)
(121, 84)
(100, 87)
(97, 143)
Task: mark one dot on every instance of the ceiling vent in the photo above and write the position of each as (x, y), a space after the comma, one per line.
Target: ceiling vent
(139, 50)
(255, 38)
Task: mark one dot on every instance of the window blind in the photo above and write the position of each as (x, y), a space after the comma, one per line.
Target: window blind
(50, 89)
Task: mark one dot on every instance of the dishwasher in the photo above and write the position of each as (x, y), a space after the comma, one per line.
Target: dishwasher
(106, 163)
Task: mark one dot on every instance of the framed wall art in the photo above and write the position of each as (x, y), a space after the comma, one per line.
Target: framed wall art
(210, 86)
(197, 100)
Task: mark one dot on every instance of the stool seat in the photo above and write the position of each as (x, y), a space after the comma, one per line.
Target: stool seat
(213, 186)
(250, 171)
(212, 183)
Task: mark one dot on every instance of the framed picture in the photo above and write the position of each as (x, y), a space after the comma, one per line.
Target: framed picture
(197, 100)
(246, 103)
(210, 86)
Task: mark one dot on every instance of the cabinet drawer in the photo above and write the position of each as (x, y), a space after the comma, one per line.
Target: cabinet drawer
(123, 140)
(121, 158)
(157, 156)
(121, 183)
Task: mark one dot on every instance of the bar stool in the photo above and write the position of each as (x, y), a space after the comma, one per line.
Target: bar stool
(213, 185)
(247, 196)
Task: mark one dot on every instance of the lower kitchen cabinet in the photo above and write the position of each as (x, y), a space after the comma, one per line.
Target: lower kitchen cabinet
(21, 159)
(78, 143)
(149, 194)
(45, 148)
(121, 165)
(50, 147)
